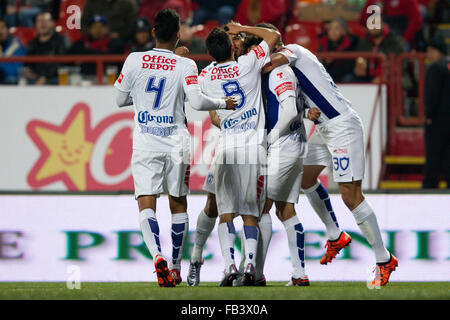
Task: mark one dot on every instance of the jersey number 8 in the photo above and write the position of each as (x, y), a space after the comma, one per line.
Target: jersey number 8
(232, 88)
(151, 87)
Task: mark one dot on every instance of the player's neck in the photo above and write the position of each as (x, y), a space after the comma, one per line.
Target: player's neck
(165, 45)
(225, 61)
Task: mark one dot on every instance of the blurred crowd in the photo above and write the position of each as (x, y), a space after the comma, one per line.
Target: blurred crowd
(40, 27)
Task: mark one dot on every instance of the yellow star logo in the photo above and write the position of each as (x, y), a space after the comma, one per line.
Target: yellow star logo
(65, 150)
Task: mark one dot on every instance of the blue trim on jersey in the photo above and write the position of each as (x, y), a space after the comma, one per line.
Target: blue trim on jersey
(161, 50)
(272, 106)
(315, 95)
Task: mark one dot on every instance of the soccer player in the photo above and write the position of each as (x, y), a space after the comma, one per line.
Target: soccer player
(207, 218)
(342, 131)
(239, 180)
(155, 82)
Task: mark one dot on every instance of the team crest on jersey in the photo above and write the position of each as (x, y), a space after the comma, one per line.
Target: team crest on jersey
(191, 80)
(259, 51)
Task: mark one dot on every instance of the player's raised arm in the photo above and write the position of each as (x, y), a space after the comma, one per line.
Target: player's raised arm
(271, 37)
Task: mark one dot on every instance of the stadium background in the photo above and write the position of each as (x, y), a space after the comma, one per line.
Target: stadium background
(66, 186)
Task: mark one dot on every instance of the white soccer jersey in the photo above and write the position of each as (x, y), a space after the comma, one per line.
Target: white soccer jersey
(242, 80)
(316, 83)
(157, 81)
(279, 85)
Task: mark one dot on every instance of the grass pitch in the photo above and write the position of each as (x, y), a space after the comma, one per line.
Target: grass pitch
(211, 291)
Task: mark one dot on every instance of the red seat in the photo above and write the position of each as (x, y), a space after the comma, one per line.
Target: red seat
(304, 34)
(202, 30)
(25, 35)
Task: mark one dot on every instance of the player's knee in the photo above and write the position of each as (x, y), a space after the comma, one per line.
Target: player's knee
(228, 217)
(211, 206)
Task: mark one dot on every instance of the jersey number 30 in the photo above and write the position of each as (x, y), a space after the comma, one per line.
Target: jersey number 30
(232, 88)
(159, 89)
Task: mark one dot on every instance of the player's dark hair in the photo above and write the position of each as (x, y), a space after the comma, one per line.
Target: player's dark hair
(166, 24)
(218, 44)
(272, 27)
(251, 40)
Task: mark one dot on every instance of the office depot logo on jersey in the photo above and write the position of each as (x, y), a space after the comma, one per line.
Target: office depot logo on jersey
(158, 62)
(83, 158)
(218, 73)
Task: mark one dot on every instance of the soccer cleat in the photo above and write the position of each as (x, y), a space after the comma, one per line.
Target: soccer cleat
(249, 275)
(162, 271)
(333, 247)
(383, 272)
(229, 276)
(193, 278)
(299, 282)
(261, 282)
(175, 273)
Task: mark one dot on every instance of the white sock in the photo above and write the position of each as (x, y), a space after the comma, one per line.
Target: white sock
(265, 235)
(296, 242)
(320, 201)
(226, 239)
(251, 243)
(150, 231)
(205, 226)
(242, 263)
(367, 222)
(180, 228)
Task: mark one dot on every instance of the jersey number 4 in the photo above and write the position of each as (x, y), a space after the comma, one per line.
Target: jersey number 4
(232, 88)
(158, 89)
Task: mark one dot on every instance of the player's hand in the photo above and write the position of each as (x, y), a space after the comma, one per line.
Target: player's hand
(267, 68)
(231, 103)
(182, 51)
(314, 114)
(233, 27)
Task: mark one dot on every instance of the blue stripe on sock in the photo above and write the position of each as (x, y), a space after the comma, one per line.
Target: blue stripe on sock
(175, 254)
(251, 232)
(153, 225)
(232, 253)
(157, 242)
(322, 192)
(298, 227)
(177, 239)
(334, 218)
(230, 226)
(178, 227)
(328, 204)
(300, 240)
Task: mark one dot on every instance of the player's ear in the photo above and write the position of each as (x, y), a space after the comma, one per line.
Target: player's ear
(178, 35)
(153, 33)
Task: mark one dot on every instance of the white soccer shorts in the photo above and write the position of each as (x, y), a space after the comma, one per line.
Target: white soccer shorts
(209, 184)
(344, 137)
(239, 187)
(284, 178)
(160, 172)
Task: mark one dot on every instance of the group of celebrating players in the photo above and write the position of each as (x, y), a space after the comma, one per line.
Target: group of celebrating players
(257, 92)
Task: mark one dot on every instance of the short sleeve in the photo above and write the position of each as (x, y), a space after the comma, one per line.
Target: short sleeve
(282, 83)
(124, 82)
(258, 57)
(289, 53)
(190, 76)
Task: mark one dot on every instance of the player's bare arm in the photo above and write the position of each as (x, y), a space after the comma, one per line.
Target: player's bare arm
(214, 118)
(276, 60)
(272, 37)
